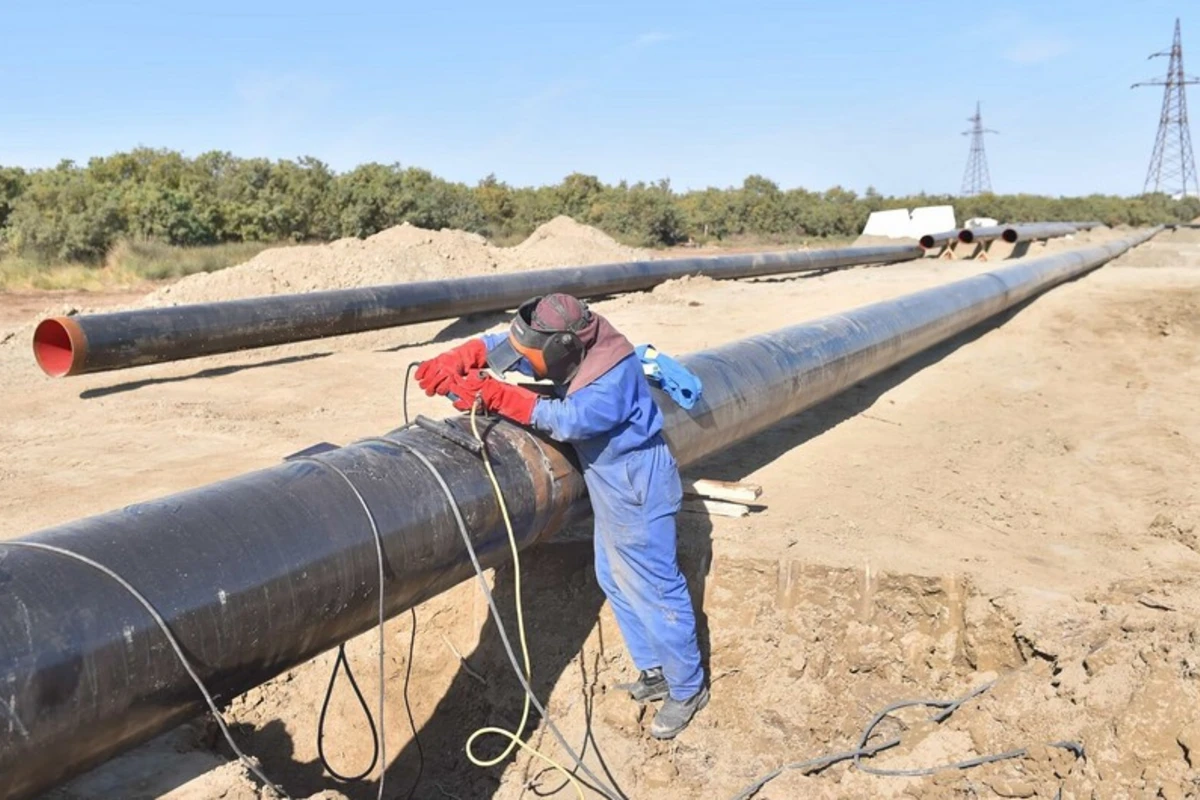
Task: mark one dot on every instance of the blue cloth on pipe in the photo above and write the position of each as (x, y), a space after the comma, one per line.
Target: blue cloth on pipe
(683, 386)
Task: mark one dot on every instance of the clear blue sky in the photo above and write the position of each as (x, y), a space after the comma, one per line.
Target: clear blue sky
(807, 93)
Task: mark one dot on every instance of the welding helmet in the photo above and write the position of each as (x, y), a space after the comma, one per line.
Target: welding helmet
(555, 352)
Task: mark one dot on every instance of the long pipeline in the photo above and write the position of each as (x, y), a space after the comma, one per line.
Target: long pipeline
(261, 572)
(97, 342)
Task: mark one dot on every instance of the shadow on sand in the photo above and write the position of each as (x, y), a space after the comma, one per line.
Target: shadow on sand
(212, 372)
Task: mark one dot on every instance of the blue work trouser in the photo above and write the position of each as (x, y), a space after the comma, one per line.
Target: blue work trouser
(634, 501)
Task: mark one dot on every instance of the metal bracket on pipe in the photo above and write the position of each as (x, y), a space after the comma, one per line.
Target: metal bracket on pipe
(450, 433)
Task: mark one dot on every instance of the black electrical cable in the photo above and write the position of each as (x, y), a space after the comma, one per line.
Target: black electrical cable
(412, 636)
(338, 664)
(171, 640)
(947, 707)
(379, 741)
(377, 735)
(342, 662)
(598, 786)
(412, 723)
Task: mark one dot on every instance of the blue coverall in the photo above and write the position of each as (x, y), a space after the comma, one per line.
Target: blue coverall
(633, 483)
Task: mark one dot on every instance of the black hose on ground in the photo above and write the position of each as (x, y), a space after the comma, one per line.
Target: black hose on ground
(946, 708)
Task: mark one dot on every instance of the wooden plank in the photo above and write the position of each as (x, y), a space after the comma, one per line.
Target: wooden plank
(714, 508)
(723, 490)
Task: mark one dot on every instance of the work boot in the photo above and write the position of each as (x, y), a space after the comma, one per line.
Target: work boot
(675, 715)
(651, 685)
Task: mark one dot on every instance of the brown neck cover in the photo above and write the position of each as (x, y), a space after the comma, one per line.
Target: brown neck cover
(605, 348)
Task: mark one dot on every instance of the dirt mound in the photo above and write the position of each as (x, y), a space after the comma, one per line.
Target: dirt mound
(563, 242)
(680, 290)
(397, 255)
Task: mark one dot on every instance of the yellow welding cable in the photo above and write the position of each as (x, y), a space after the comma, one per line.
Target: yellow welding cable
(514, 739)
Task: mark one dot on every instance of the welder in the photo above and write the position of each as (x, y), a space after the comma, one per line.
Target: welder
(602, 405)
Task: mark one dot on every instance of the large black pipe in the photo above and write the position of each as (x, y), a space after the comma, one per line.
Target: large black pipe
(258, 573)
(932, 240)
(982, 234)
(99, 342)
(253, 575)
(753, 383)
(1038, 230)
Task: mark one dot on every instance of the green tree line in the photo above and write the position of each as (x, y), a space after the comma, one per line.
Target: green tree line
(76, 212)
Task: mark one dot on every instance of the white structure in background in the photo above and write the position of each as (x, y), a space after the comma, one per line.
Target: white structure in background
(895, 224)
(931, 219)
(900, 223)
(980, 222)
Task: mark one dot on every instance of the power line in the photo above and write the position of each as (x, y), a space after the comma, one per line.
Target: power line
(1172, 165)
(976, 179)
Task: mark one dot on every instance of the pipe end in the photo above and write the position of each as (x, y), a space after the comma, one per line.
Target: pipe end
(966, 236)
(59, 346)
(927, 241)
(1009, 235)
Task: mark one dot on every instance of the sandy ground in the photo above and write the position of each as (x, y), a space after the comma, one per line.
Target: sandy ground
(17, 309)
(1018, 506)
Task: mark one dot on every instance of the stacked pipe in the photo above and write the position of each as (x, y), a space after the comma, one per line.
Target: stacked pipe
(99, 342)
(1023, 233)
(1037, 231)
(259, 573)
(981, 234)
(1009, 233)
(932, 240)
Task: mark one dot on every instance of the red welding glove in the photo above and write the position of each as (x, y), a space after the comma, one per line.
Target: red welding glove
(466, 389)
(508, 400)
(434, 375)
